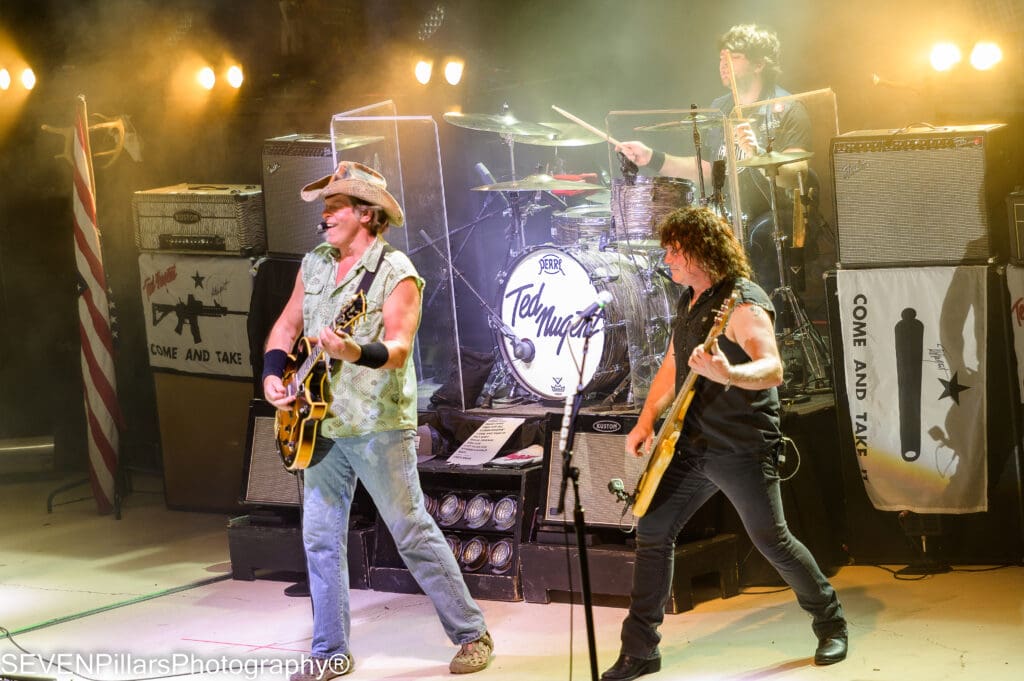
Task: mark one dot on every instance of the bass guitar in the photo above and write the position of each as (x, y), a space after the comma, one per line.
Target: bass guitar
(664, 445)
(306, 376)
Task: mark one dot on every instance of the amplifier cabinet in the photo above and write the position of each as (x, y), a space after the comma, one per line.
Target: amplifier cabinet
(1015, 214)
(288, 164)
(201, 218)
(921, 197)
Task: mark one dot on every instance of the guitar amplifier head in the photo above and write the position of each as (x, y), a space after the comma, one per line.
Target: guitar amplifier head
(288, 164)
(921, 197)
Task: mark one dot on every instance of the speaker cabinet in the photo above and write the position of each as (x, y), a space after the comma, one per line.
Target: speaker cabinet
(1015, 215)
(921, 197)
(202, 436)
(473, 506)
(289, 163)
(265, 480)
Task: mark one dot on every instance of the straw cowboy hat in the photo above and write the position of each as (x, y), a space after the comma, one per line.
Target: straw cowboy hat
(362, 182)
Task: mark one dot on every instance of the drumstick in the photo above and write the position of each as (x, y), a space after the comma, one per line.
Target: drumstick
(732, 86)
(580, 122)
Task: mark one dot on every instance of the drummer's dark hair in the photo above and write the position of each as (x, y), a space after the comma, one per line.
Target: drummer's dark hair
(756, 43)
(705, 237)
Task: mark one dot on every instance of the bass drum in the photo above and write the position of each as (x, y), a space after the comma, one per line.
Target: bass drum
(541, 296)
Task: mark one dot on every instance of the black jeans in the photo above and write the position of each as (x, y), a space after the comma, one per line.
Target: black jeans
(751, 483)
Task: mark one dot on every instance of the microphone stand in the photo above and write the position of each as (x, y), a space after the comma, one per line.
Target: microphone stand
(573, 403)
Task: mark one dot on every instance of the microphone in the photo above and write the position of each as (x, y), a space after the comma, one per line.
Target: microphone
(486, 176)
(628, 169)
(322, 227)
(603, 298)
(524, 349)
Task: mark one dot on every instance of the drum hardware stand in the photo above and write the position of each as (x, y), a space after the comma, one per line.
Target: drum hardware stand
(801, 335)
(697, 154)
(573, 402)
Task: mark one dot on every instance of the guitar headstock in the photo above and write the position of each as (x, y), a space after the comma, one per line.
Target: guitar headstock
(351, 313)
(723, 313)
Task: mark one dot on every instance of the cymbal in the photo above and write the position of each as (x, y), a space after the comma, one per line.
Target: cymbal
(604, 196)
(353, 141)
(703, 120)
(536, 183)
(774, 158)
(568, 135)
(503, 124)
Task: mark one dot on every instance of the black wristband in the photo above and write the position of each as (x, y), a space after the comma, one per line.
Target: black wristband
(274, 363)
(373, 355)
(657, 161)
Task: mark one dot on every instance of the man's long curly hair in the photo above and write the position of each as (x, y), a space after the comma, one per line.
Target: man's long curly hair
(705, 237)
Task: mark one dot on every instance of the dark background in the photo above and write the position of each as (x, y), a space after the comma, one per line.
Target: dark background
(307, 60)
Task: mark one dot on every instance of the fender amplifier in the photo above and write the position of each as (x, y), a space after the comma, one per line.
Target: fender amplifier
(290, 163)
(921, 196)
(201, 218)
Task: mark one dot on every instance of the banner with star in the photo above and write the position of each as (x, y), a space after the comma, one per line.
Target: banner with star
(196, 308)
(914, 346)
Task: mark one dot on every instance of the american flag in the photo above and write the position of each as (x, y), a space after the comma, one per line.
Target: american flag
(102, 412)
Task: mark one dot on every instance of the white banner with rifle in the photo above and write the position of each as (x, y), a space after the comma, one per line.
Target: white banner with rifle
(196, 308)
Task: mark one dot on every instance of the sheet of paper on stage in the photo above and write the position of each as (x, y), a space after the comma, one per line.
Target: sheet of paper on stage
(484, 444)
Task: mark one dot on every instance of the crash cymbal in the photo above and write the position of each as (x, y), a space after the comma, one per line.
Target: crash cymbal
(774, 158)
(568, 135)
(604, 196)
(703, 120)
(536, 183)
(352, 141)
(503, 124)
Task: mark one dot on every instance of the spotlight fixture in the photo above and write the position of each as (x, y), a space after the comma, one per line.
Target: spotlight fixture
(455, 544)
(423, 70)
(234, 76)
(206, 78)
(474, 554)
(5, 79)
(450, 510)
(28, 78)
(500, 556)
(986, 55)
(453, 69)
(945, 56)
(431, 503)
(478, 511)
(505, 512)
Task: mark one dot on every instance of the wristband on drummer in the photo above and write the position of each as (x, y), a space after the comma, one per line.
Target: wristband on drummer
(373, 355)
(657, 161)
(274, 363)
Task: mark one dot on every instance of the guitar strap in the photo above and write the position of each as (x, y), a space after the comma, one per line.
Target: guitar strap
(369, 275)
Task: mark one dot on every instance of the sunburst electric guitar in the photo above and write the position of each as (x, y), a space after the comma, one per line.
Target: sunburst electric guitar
(306, 376)
(664, 445)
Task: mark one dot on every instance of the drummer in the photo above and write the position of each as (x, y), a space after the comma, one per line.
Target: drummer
(754, 53)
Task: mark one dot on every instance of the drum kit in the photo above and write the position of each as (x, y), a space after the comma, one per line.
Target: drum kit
(607, 245)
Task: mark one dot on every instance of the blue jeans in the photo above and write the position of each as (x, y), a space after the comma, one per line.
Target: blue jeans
(751, 483)
(386, 465)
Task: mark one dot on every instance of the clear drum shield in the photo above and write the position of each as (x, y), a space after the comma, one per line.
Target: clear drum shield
(405, 150)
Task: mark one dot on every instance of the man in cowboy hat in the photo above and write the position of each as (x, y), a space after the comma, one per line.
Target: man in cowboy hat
(369, 430)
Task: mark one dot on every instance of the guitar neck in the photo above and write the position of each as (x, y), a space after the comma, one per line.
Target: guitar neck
(315, 352)
(670, 423)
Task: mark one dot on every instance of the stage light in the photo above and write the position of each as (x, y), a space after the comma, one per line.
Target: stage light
(945, 56)
(206, 78)
(500, 556)
(235, 76)
(5, 79)
(431, 504)
(455, 544)
(423, 70)
(478, 511)
(474, 554)
(986, 55)
(453, 71)
(450, 511)
(505, 513)
(28, 78)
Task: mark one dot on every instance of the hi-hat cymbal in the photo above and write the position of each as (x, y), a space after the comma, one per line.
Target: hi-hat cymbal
(352, 141)
(568, 135)
(774, 158)
(503, 124)
(536, 183)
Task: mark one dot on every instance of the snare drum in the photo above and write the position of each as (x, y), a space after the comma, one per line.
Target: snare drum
(543, 292)
(582, 224)
(639, 207)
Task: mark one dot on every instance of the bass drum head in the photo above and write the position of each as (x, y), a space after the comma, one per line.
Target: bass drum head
(541, 296)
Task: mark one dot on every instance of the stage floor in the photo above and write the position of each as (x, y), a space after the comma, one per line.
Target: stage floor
(62, 575)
